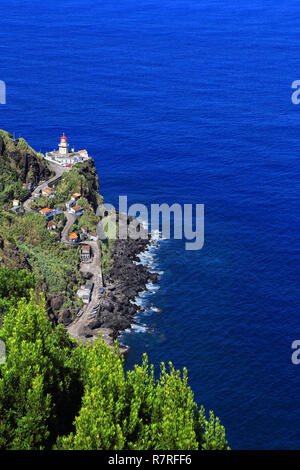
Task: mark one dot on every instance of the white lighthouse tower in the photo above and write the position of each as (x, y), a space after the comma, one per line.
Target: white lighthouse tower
(63, 157)
(63, 146)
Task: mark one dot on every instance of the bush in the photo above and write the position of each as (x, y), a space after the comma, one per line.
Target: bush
(14, 284)
(48, 383)
(134, 411)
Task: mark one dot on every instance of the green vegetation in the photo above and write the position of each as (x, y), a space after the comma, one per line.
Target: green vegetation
(18, 144)
(54, 394)
(12, 168)
(89, 219)
(110, 229)
(14, 284)
(50, 261)
(82, 178)
(39, 392)
(10, 185)
(23, 146)
(5, 136)
(42, 202)
(58, 268)
(106, 258)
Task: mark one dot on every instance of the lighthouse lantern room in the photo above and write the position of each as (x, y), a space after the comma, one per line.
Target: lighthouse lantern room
(63, 146)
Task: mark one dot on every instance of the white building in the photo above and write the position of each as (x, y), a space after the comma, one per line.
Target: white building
(93, 236)
(63, 157)
(76, 210)
(85, 293)
(48, 192)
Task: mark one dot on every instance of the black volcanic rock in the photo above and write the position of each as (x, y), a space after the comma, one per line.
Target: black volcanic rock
(123, 283)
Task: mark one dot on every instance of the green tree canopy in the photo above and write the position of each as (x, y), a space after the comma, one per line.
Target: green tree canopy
(37, 399)
(56, 394)
(14, 284)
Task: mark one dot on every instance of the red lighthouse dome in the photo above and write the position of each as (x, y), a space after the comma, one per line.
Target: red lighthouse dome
(63, 138)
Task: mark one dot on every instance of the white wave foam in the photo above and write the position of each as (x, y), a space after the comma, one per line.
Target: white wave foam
(156, 235)
(138, 328)
(152, 287)
(139, 301)
(147, 258)
(155, 309)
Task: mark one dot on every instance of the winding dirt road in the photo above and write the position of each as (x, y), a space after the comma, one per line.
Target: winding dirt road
(70, 221)
(58, 170)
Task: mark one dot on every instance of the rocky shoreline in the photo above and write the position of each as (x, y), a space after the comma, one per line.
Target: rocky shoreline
(123, 284)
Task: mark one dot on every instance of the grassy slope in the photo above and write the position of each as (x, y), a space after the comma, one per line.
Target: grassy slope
(53, 263)
(12, 167)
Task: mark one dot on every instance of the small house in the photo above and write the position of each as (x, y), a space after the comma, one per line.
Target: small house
(73, 237)
(27, 186)
(48, 192)
(16, 203)
(75, 196)
(48, 213)
(76, 210)
(84, 229)
(85, 293)
(93, 236)
(51, 226)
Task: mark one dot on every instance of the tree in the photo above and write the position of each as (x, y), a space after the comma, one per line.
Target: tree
(55, 393)
(36, 397)
(14, 285)
(135, 411)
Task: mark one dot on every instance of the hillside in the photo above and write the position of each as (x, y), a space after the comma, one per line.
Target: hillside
(25, 242)
(19, 164)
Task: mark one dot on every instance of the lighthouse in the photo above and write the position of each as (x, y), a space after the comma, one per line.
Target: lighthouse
(63, 146)
(63, 157)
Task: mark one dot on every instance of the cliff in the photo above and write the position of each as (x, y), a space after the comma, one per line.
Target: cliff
(19, 164)
(26, 242)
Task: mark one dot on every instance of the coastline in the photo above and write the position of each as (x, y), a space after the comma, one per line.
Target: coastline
(117, 266)
(123, 284)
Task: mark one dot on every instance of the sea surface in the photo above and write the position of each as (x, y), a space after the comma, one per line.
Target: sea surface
(186, 101)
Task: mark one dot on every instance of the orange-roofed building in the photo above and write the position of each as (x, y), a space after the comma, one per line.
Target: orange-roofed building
(48, 192)
(75, 196)
(76, 210)
(47, 212)
(73, 238)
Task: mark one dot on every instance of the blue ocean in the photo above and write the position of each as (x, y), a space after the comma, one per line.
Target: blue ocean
(186, 101)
